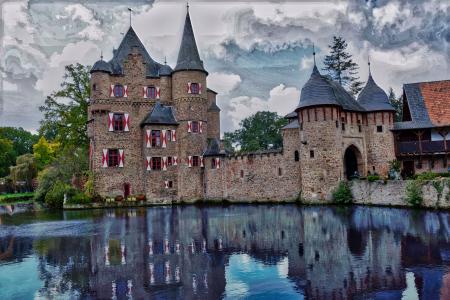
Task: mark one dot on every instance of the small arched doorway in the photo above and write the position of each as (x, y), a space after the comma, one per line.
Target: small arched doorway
(352, 162)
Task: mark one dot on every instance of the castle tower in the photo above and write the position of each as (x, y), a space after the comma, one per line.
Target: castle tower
(380, 121)
(189, 93)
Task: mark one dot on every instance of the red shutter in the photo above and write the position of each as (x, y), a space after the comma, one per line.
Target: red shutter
(189, 161)
(147, 139)
(110, 121)
(202, 162)
(164, 163)
(144, 92)
(175, 161)
(166, 184)
(121, 158)
(111, 90)
(163, 138)
(189, 88)
(125, 91)
(174, 135)
(200, 126)
(200, 88)
(105, 158)
(126, 122)
(189, 126)
(158, 92)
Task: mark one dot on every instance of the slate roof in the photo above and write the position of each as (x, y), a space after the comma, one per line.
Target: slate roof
(428, 104)
(188, 57)
(213, 148)
(292, 125)
(213, 107)
(160, 114)
(131, 40)
(320, 90)
(373, 98)
(291, 115)
(101, 66)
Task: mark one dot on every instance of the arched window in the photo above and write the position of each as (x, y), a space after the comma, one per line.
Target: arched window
(118, 90)
(296, 156)
(151, 92)
(94, 87)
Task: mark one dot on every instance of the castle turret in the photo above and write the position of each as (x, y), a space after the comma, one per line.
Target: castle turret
(380, 121)
(190, 98)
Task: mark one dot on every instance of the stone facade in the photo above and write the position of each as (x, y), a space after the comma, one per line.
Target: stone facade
(326, 141)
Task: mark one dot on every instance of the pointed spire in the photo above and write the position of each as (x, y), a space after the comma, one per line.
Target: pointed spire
(315, 70)
(101, 55)
(370, 79)
(130, 10)
(188, 57)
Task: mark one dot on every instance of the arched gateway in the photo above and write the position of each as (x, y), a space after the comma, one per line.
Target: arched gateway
(352, 162)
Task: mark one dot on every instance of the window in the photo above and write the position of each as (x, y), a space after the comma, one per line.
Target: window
(195, 127)
(94, 87)
(156, 163)
(379, 128)
(213, 163)
(118, 90)
(118, 120)
(169, 135)
(170, 184)
(296, 156)
(151, 92)
(311, 153)
(113, 158)
(343, 126)
(195, 88)
(280, 172)
(195, 161)
(156, 138)
(337, 124)
(169, 161)
(359, 128)
(301, 125)
(242, 173)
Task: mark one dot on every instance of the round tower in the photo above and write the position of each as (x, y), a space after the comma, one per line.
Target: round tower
(189, 93)
(100, 74)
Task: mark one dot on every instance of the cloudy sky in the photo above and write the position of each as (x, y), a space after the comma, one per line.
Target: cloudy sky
(258, 54)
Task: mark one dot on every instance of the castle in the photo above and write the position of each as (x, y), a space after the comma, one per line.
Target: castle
(155, 130)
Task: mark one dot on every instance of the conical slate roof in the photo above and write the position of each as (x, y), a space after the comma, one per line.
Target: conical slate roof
(101, 66)
(160, 114)
(188, 57)
(373, 98)
(320, 90)
(130, 41)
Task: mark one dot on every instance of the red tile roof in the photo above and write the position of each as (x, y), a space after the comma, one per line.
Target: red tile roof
(436, 96)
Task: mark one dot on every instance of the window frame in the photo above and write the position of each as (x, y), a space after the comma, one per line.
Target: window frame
(156, 163)
(296, 155)
(113, 158)
(196, 161)
(213, 163)
(311, 154)
(379, 128)
(149, 94)
(195, 88)
(169, 161)
(118, 88)
(195, 127)
(118, 124)
(155, 140)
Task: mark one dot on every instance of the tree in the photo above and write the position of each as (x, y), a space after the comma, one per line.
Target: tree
(258, 132)
(7, 156)
(24, 170)
(44, 152)
(397, 103)
(22, 140)
(340, 66)
(65, 111)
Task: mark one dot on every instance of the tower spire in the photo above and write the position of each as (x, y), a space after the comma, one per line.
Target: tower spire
(101, 54)
(368, 63)
(187, 6)
(130, 10)
(314, 55)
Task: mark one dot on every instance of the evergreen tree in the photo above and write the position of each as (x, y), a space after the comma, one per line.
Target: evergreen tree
(397, 103)
(341, 68)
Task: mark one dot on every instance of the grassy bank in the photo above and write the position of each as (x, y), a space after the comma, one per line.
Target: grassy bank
(16, 198)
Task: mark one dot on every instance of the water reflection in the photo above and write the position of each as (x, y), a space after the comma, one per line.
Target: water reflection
(227, 252)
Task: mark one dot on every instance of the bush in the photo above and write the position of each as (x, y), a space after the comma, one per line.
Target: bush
(395, 165)
(55, 196)
(427, 176)
(372, 178)
(343, 194)
(79, 198)
(414, 195)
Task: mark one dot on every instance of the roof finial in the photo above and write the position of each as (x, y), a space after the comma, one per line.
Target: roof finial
(187, 6)
(368, 62)
(130, 10)
(165, 60)
(314, 54)
(101, 54)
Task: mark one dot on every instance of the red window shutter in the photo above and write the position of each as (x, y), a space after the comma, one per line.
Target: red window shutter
(163, 139)
(166, 184)
(202, 162)
(164, 163)
(174, 135)
(218, 162)
(200, 88)
(200, 126)
(148, 139)
(144, 92)
(121, 158)
(175, 160)
(147, 163)
(111, 90)
(189, 161)
(126, 121)
(105, 158)
(189, 88)
(189, 126)
(125, 91)
(110, 122)
(158, 92)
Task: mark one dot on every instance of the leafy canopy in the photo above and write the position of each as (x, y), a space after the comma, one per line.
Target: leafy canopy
(44, 152)
(397, 103)
(22, 140)
(341, 67)
(7, 156)
(65, 111)
(257, 132)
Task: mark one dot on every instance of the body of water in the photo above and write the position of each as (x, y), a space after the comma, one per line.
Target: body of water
(226, 252)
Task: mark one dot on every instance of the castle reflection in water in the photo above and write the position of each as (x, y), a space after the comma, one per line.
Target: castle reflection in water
(184, 252)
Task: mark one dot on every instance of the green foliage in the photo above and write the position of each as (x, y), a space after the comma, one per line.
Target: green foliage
(397, 103)
(7, 156)
(257, 132)
(342, 194)
(79, 198)
(341, 67)
(372, 178)
(16, 197)
(24, 170)
(395, 165)
(414, 194)
(22, 140)
(89, 185)
(44, 152)
(65, 111)
(55, 196)
(427, 176)
(439, 187)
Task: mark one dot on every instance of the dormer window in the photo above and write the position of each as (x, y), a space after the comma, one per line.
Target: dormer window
(151, 92)
(195, 88)
(118, 90)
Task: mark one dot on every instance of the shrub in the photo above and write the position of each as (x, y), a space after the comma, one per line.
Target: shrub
(395, 165)
(372, 178)
(427, 176)
(439, 187)
(55, 196)
(414, 195)
(79, 198)
(342, 194)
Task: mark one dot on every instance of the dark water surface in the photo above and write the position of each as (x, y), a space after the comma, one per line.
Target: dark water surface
(240, 251)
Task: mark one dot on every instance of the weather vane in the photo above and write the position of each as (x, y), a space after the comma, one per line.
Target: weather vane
(130, 10)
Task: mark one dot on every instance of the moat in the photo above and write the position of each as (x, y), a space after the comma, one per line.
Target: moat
(236, 251)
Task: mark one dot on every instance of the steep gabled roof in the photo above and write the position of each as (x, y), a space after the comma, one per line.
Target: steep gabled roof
(130, 41)
(188, 57)
(160, 114)
(373, 98)
(320, 90)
